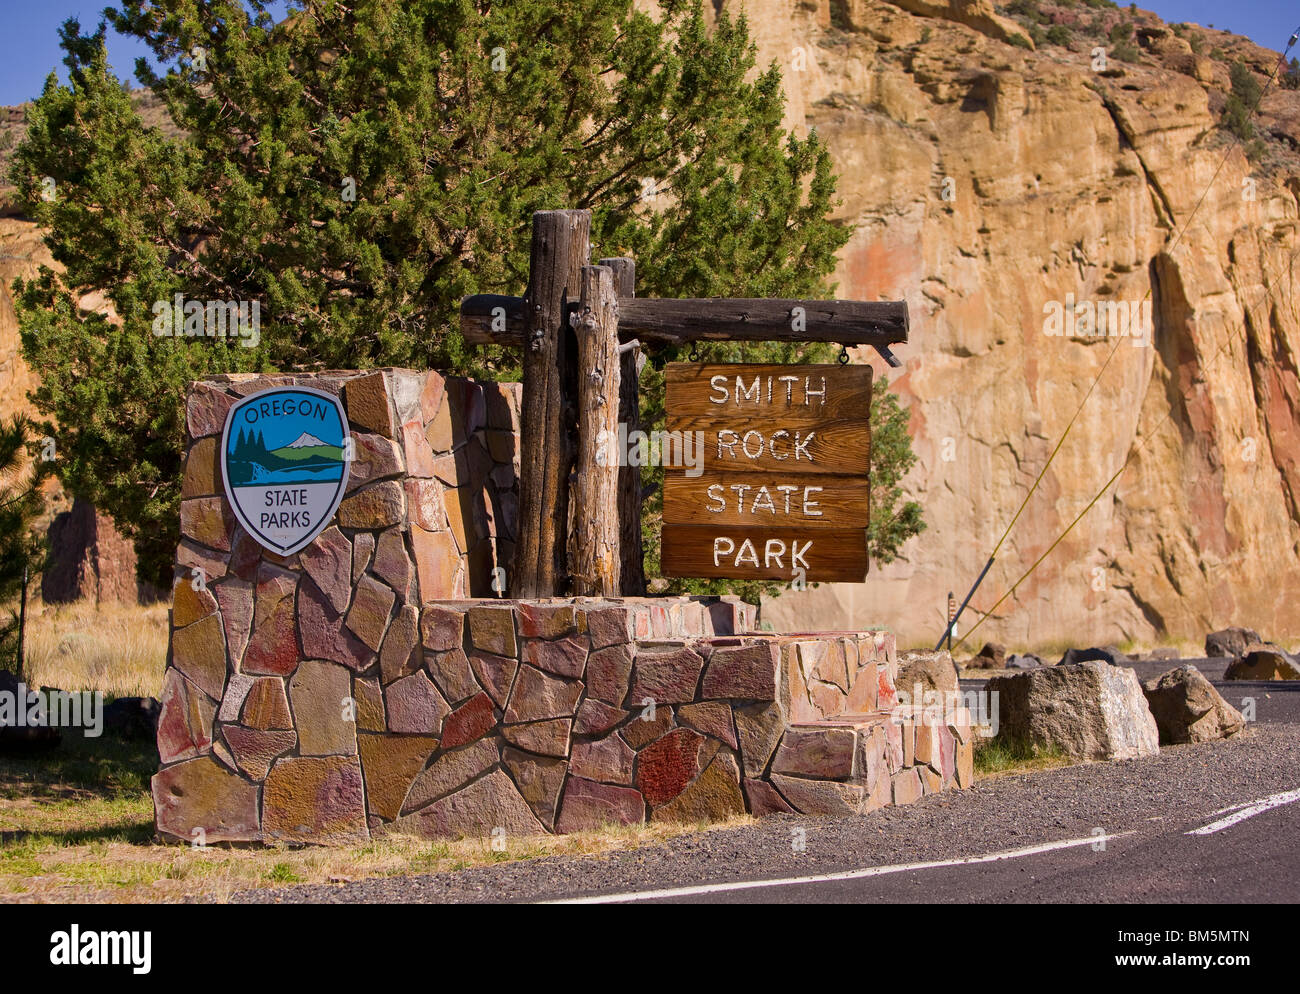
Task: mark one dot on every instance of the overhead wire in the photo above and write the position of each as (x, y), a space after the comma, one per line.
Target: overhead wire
(1178, 235)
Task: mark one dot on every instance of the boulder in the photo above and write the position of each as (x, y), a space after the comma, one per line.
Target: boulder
(1187, 708)
(132, 717)
(1230, 642)
(1106, 654)
(1024, 661)
(928, 669)
(16, 738)
(1263, 662)
(992, 657)
(1090, 710)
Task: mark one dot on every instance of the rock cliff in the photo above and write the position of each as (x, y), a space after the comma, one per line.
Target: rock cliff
(992, 185)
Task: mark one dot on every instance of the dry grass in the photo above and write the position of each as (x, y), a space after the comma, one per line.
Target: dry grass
(119, 649)
(113, 868)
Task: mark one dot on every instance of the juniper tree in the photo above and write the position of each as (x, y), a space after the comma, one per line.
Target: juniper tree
(21, 551)
(1241, 102)
(359, 168)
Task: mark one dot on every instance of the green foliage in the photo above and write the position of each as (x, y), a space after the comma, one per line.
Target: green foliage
(1290, 80)
(1096, 27)
(1241, 102)
(1059, 34)
(1020, 41)
(1027, 9)
(1122, 31)
(20, 504)
(456, 120)
(893, 519)
(1126, 51)
(283, 873)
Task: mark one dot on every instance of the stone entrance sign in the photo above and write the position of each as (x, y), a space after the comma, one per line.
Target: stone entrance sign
(343, 664)
(780, 485)
(284, 464)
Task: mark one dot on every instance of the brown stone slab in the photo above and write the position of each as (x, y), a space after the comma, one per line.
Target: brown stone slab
(833, 555)
(804, 500)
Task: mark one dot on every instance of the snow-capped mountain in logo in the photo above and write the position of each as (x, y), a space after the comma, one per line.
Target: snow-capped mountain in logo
(303, 441)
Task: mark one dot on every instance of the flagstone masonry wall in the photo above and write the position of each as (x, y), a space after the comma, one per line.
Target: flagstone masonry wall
(431, 496)
(367, 685)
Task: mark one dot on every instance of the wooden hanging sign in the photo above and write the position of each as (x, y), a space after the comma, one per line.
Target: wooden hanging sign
(775, 476)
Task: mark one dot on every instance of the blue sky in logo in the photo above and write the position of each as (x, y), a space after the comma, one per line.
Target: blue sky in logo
(276, 438)
(283, 417)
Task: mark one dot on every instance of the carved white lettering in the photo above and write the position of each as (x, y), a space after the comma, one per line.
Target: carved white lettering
(720, 549)
(719, 383)
(753, 444)
(747, 558)
(797, 554)
(773, 550)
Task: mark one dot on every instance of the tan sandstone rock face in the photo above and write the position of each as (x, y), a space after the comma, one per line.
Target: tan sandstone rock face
(21, 253)
(1059, 181)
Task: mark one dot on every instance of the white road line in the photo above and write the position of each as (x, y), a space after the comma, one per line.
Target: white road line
(1233, 807)
(870, 871)
(1248, 810)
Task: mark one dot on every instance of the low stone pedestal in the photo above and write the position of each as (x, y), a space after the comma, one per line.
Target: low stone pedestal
(356, 687)
(522, 717)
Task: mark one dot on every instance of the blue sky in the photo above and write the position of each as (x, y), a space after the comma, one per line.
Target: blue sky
(29, 43)
(1266, 22)
(29, 46)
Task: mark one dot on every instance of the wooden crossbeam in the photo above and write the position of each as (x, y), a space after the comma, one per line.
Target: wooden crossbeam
(599, 337)
(494, 319)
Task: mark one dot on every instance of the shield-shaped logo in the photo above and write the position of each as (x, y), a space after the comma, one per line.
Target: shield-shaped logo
(284, 463)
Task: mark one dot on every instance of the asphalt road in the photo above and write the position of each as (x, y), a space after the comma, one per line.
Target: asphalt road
(1247, 862)
(1094, 833)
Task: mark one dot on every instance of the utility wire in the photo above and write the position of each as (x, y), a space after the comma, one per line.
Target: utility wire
(1232, 336)
(1178, 235)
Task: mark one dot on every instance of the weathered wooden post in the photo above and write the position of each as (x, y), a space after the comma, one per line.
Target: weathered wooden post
(594, 562)
(631, 552)
(560, 248)
(544, 555)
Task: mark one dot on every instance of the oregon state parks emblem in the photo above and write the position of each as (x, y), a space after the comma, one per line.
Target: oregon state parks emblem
(284, 463)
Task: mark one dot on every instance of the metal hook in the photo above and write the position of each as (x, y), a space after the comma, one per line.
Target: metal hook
(844, 355)
(695, 354)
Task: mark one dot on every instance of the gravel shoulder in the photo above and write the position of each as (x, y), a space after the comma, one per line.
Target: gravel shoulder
(1174, 790)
